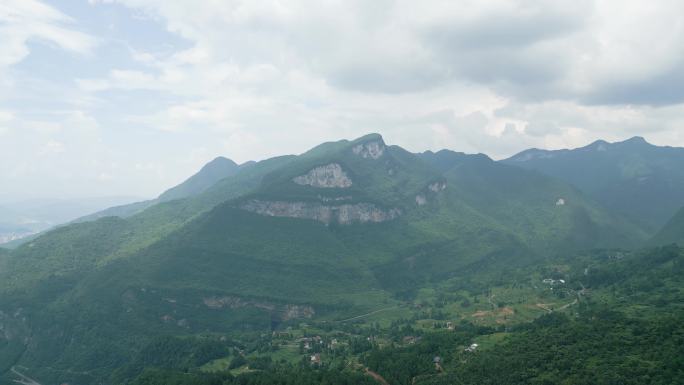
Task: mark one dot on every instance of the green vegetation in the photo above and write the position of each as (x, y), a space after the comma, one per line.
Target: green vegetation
(211, 173)
(642, 182)
(197, 290)
(673, 232)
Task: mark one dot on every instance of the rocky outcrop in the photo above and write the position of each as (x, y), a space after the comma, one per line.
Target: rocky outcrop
(372, 149)
(437, 186)
(296, 311)
(329, 176)
(431, 190)
(283, 312)
(226, 302)
(343, 214)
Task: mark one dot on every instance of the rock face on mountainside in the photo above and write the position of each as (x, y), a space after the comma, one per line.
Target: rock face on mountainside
(371, 149)
(437, 186)
(432, 189)
(329, 176)
(344, 214)
(284, 312)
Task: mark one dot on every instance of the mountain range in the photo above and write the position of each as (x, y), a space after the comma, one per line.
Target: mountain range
(343, 229)
(633, 178)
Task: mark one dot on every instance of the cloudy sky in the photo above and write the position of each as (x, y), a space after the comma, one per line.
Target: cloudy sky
(112, 97)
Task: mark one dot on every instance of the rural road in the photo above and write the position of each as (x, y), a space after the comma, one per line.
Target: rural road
(377, 377)
(367, 314)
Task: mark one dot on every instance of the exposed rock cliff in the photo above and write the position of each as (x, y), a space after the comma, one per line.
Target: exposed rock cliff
(329, 176)
(372, 149)
(284, 312)
(432, 189)
(437, 186)
(343, 214)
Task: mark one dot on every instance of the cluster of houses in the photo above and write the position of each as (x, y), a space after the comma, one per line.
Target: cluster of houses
(309, 343)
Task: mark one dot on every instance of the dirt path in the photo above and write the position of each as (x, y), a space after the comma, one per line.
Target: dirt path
(377, 377)
(367, 314)
(23, 379)
(545, 306)
(568, 305)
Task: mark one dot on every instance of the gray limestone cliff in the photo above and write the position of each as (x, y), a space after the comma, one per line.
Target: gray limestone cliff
(329, 176)
(432, 188)
(372, 149)
(284, 312)
(343, 214)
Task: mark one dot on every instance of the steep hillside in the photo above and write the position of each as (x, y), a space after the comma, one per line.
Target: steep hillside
(64, 248)
(672, 232)
(545, 212)
(633, 178)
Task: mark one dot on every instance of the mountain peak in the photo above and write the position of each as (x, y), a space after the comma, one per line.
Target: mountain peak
(370, 146)
(636, 140)
(602, 145)
(209, 174)
(220, 161)
(372, 137)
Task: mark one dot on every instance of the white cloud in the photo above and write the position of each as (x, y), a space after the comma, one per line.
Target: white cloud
(5, 120)
(25, 20)
(255, 78)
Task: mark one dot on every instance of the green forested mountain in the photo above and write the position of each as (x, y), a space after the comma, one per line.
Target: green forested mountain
(672, 232)
(633, 178)
(198, 183)
(343, 232)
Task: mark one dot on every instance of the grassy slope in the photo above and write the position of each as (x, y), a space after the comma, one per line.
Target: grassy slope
(672, 232)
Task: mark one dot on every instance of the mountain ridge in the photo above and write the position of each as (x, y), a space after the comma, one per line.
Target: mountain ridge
(633, 178)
